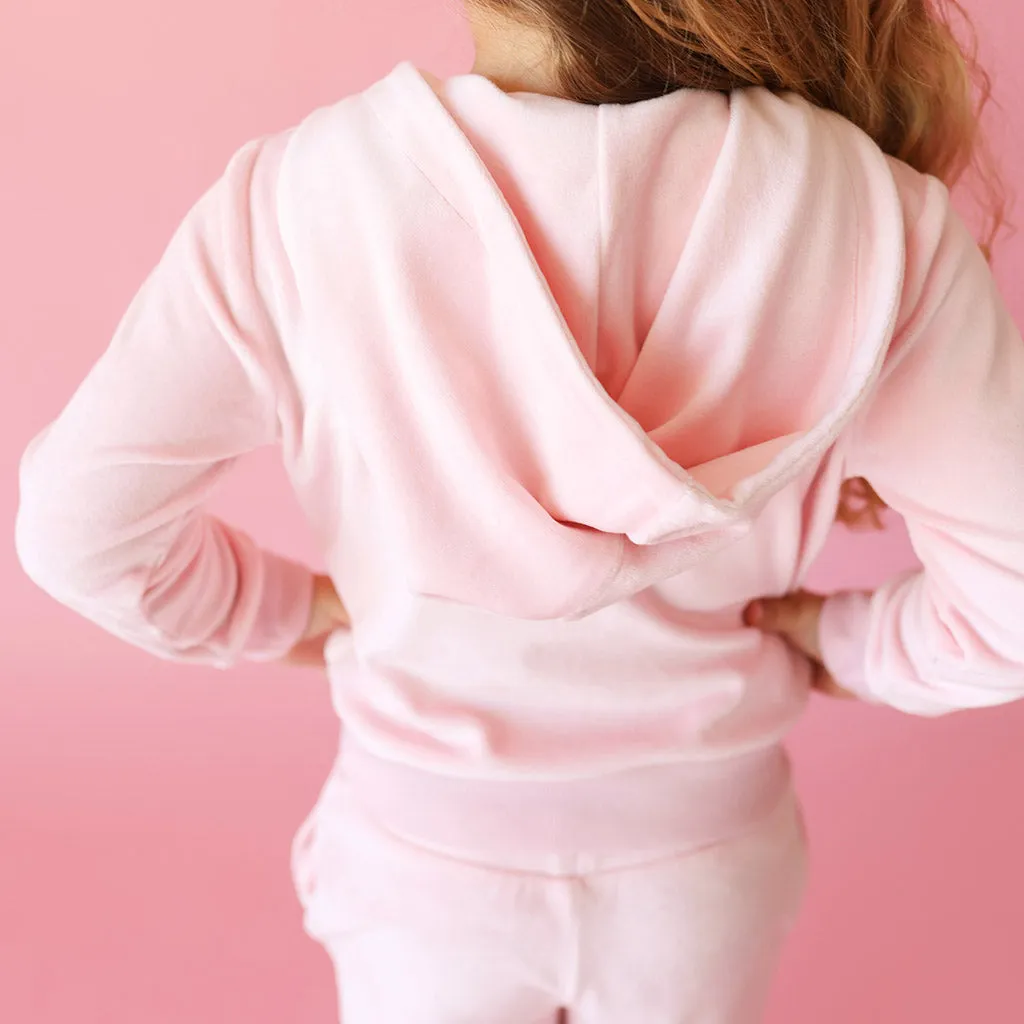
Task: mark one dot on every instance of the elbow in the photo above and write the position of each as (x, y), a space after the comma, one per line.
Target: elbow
(58, 551)
(988, 662)
(45, 524)
(31, 544)
(79, 550)
(967, 687)
(1002, 683)
(43, 556)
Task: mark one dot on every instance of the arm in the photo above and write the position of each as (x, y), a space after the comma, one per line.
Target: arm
(942, 442)
(111, 520)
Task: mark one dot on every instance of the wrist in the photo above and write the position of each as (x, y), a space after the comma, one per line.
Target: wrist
(843, 634)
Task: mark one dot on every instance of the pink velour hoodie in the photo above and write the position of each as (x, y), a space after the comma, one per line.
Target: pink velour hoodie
(561, 388)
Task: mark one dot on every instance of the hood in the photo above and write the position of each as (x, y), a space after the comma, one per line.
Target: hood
(679, 305)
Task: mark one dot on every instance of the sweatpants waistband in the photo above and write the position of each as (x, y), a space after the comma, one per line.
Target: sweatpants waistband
(614, 820)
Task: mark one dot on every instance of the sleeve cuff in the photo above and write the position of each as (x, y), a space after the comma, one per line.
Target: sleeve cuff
(844, 625)
(285, 606)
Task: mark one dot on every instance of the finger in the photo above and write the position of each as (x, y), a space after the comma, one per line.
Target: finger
(333, 603)
(774, 614)
(335, 607)
(307, 654)
(327, 612)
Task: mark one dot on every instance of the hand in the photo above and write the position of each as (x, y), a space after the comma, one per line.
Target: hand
(796, 619)
(327, 616)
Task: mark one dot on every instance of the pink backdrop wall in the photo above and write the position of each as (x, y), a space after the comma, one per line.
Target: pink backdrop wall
(146, 809)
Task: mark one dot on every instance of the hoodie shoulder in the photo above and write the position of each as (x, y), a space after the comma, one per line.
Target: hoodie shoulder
(937, 240)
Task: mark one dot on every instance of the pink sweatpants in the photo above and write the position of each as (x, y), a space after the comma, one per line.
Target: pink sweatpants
(419, 936)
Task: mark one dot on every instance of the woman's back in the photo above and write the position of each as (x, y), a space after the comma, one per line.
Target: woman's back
(562, 389)
(583, 291)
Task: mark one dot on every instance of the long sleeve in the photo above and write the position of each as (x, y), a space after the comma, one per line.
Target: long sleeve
(943, 444)
(111, 519)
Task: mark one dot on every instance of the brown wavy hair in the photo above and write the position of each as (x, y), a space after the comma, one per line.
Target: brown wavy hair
(905, 71)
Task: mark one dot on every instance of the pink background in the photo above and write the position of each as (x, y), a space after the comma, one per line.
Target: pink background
(146, 809)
